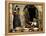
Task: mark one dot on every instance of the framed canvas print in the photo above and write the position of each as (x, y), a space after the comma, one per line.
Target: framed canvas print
(24, 17)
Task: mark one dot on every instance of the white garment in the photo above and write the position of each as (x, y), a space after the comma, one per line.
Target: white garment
(34, 23)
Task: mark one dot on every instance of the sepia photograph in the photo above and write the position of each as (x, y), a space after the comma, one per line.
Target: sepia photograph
(24, 17)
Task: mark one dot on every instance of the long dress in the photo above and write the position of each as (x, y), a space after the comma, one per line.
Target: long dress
(16, 21)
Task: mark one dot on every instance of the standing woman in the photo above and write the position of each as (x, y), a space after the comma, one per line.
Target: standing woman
(16, 18)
